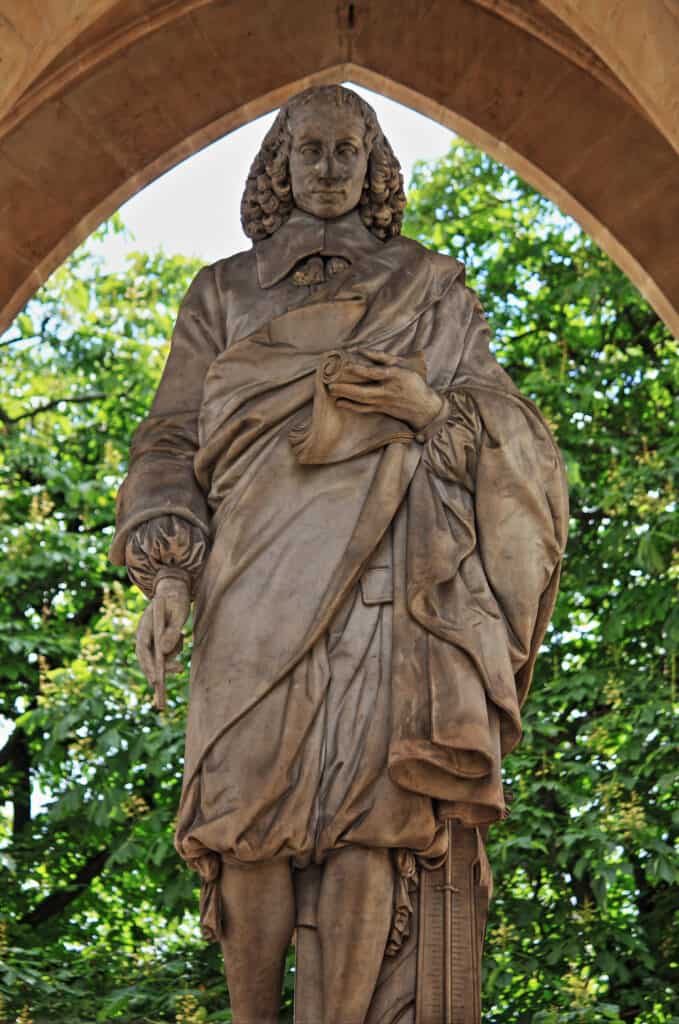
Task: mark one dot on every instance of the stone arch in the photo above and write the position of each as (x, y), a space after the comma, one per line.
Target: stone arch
(102, 99)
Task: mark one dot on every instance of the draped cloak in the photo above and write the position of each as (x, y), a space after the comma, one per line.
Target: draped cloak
(443, 550)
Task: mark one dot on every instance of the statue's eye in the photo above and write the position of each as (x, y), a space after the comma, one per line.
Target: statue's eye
(346, 149)
(311, 150)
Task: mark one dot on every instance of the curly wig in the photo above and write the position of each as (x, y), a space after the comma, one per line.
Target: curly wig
(267, 200)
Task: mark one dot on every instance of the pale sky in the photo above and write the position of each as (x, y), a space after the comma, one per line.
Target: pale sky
(194, 209)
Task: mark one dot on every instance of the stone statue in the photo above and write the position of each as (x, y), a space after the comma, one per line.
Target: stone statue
(370, 519)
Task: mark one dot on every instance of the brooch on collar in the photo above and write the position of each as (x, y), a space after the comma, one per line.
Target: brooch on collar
(317, 270)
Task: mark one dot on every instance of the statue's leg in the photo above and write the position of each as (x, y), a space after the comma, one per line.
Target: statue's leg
(354, 918)
(259, 917)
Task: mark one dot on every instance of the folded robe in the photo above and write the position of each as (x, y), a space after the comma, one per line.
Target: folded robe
(478, 517)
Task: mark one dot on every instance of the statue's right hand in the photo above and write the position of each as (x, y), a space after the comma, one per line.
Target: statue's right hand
(159, 634)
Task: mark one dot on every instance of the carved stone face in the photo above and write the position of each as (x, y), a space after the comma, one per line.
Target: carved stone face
(328, 159)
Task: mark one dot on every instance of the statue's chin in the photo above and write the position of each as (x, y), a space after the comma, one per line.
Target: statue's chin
(326, 206)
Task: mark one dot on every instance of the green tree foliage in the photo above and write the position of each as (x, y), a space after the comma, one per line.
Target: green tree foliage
(98, 913)
(94, 896)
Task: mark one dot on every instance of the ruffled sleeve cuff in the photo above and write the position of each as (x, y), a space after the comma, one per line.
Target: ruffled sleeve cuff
(166, 546)
(453, 440)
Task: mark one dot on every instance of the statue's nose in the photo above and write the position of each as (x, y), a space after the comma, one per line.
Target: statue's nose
(328, 166)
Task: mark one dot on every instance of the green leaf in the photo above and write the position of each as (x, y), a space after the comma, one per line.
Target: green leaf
(652, 553)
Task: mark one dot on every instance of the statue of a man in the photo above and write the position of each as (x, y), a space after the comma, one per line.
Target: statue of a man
(370, 519)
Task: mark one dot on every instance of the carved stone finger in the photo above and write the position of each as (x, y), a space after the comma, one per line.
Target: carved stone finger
(344, 403)
(357, 392)
(171, 640)
(364, 373)
(177, 648)
(159, 628)
(144, 645)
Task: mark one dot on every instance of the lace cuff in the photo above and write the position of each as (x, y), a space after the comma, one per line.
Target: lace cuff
(165, 546)
(451, 450)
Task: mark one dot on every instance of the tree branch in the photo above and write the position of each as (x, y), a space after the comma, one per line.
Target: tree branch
(40, 336)
(538, 329)
(21, 788)
(17, 755)
(13, 341)
(59, 900)
(7, 752)
(76, 399)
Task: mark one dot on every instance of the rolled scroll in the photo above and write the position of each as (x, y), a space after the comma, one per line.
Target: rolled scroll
(333, 433)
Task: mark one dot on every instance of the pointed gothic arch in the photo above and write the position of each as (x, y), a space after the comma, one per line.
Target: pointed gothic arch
(101, 96)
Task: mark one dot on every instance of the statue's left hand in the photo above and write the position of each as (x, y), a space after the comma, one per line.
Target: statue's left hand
(388, 388)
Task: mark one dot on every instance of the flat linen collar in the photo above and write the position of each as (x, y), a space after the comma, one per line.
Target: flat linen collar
(304, 235)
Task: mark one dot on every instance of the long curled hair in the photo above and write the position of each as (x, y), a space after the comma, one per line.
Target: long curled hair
(267, 200)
